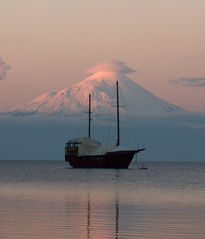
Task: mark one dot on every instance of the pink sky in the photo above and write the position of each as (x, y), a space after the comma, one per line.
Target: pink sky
(50, 43)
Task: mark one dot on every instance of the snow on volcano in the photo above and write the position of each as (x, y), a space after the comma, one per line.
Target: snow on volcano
(101, 84)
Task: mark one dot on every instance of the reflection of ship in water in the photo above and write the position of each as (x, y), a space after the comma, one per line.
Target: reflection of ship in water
(89, 212)
(117, 218)
(88, 223)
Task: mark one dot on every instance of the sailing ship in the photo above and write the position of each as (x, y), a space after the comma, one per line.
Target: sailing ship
(88, 153)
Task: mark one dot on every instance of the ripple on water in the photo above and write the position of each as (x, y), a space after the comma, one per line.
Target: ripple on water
(47, 200)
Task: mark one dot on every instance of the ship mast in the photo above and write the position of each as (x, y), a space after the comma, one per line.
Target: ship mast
(118, 117)
(89, 116)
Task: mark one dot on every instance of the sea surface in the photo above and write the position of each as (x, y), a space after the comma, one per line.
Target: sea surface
(48, 199)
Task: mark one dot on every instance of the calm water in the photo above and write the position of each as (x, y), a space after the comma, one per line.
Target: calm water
(50, 200)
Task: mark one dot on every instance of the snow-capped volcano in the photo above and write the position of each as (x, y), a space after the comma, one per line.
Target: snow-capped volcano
(101, 85)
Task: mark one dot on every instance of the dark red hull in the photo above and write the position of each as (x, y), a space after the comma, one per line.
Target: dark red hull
(118, 159)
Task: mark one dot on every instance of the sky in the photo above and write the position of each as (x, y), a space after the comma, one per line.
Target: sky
(47, 45)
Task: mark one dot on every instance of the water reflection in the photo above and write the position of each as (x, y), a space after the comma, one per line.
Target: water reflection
(117, 217)
(88, 225)
(93, 215)
(89, 217)
(102, 204)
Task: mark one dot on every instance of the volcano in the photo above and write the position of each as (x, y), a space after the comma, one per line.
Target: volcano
(100, 83)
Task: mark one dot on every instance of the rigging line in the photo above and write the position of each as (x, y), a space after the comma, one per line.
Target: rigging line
(110, 130)
(110, 120)
(137, 161)
(96, 128)
(102, 134)
(105, 129)
(131, 122)
(137, 136)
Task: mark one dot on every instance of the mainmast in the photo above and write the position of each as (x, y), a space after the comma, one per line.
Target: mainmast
(89, 116)
(118, 117)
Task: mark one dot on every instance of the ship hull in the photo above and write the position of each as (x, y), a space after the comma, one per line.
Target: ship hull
(118, 159)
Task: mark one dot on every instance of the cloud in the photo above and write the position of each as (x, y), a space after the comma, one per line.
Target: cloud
(110, 66)
(3, 69)
(190, 81)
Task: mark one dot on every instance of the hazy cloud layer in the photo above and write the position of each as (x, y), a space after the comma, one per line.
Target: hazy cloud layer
(110, 66)
(3, 69)
(185, 132)
(192, 81)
